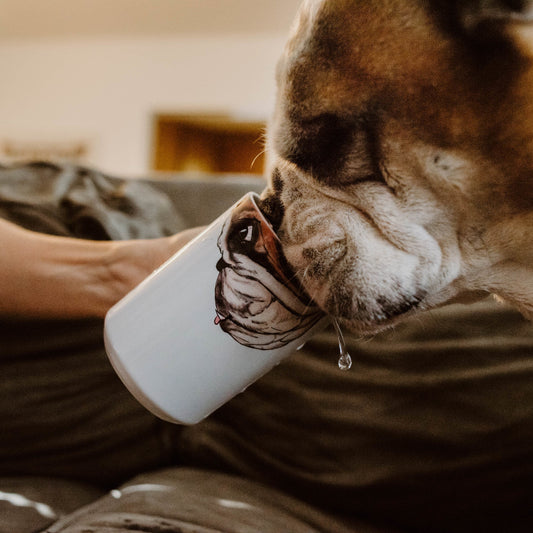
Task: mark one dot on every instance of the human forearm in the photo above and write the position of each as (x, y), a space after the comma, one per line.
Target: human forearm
(48, 276)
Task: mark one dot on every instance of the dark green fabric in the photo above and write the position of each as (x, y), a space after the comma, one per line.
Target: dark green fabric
(430, 431)
(64, 412)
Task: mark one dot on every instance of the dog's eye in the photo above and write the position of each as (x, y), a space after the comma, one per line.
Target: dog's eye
(246, 233)
(335, 150)
(317, 144)
(243, 236)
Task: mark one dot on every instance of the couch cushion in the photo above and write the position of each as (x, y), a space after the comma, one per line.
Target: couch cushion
(183, 500)
(430, 430)
(29, 504)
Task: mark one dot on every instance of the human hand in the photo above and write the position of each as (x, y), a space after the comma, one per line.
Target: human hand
(129, 262)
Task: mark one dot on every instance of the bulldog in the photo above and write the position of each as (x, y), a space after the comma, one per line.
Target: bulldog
(401, 155)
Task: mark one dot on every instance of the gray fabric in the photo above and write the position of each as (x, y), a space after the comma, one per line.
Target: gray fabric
(199, 201)
(81, 202)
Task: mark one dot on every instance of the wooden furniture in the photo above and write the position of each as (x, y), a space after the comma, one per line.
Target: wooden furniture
(207, 143)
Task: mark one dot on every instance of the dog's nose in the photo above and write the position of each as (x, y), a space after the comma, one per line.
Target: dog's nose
(221, 264)
(272, 208)
(270, 203)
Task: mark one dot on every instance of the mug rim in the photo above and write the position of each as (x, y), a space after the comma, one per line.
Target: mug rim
(254, 197)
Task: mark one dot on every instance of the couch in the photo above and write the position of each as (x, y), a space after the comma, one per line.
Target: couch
(431, 430)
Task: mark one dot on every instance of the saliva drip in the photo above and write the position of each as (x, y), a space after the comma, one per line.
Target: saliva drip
(345, 360)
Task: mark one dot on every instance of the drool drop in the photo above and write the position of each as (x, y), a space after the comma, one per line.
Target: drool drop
(345, 360)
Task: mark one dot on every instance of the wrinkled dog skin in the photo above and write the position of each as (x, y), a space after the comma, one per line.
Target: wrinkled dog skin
(400, 155)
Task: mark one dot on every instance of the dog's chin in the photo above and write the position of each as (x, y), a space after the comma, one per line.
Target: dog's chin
(368, 326)
(365, 314)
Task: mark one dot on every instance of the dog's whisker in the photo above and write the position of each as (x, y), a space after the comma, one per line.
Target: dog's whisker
(256, 158)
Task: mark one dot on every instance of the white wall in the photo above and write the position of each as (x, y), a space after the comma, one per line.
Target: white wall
(105, 90)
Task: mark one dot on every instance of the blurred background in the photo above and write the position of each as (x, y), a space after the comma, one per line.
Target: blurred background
(140, 87)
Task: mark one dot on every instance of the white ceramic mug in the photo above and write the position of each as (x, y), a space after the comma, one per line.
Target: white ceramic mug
(213, 319)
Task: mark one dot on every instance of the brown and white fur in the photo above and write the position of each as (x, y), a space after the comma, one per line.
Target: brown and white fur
(400, 155)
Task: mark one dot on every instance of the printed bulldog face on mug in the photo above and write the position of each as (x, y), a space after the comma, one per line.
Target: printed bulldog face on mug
(213, 319)
(258, 300)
